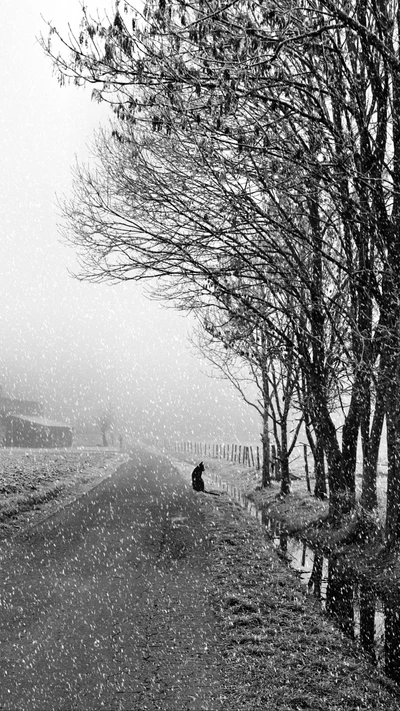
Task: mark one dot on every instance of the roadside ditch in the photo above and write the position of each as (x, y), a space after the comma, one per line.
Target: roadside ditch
(322, 635)
(357, 606)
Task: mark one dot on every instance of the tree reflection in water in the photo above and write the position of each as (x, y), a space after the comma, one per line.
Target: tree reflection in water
(340, 597)
(283, 541)
(347, 599)
(314, 583)
(367, 598)
(392, 641)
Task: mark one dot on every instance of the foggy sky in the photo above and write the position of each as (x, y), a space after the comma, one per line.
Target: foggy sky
(77, 346)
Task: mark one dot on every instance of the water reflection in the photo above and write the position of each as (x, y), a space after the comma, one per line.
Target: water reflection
(368, 602)
(340, 597)
(392, 641)
(315, 580)
(352, 602)
(283, 542)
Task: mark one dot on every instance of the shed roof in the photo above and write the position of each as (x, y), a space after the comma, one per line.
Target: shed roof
(43, 421)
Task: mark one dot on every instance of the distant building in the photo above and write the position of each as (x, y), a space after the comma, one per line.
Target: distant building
(34, 431)
(9, 406)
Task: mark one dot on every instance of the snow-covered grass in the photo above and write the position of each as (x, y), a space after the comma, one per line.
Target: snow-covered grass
(297, 510)
(300, 511)
(35, 482)
(282, 652)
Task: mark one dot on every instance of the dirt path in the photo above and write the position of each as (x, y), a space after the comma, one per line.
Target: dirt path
(105, 604)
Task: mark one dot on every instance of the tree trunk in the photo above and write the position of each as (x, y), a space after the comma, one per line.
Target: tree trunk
(341, 486)
(266, 467)
(266, 462)
(306, 468)
(390, 308)
(393, 483)
(317, 449)
(320, 488)
(369, 499)
(391, 377)
(284, 457)
(349, 442)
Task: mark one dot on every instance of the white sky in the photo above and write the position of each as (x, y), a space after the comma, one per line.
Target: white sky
(61, 339)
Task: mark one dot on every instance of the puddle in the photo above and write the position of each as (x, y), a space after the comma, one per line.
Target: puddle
(352, 603)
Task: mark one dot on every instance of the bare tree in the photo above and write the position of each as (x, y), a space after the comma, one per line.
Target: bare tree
(105, 421)
(263, 140)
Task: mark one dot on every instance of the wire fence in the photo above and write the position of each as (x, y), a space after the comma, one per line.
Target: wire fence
(246, 454)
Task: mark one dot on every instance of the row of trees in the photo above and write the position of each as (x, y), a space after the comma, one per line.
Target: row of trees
(251, 171)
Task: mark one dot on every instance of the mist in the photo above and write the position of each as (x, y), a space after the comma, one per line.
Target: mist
(104, 346)
(78, 347)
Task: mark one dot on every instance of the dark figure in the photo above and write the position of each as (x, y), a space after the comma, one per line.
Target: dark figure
(197, 481)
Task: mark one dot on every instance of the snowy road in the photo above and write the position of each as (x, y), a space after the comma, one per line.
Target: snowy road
(104, 605)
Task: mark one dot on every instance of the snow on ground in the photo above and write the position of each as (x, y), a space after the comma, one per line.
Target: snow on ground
(34, 483)
(298, 509)
(282, 652)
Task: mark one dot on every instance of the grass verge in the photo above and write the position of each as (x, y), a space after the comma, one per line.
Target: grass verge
(282, 652)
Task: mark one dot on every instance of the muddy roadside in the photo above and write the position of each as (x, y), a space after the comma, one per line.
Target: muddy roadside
(36, 483)
(283, 651)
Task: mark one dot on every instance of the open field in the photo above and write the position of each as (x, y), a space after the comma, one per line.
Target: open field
(34, 483)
